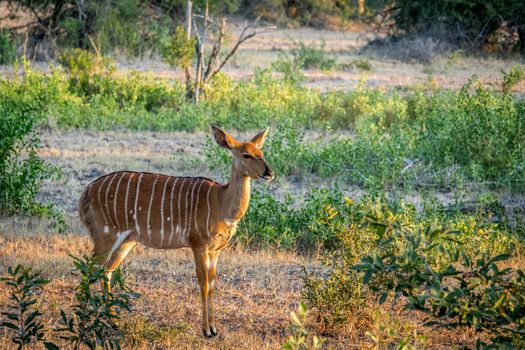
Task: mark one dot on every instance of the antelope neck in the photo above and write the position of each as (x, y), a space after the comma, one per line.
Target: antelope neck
(236, 195)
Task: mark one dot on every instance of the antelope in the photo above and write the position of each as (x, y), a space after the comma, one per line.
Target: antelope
(160, 211)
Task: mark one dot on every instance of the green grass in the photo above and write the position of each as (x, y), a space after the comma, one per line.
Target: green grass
(322, 216)
(408, 138)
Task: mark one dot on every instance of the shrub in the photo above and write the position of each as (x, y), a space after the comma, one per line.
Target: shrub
(474, 20)
(301, 338)
(24, 319)
(453, 287)
(305, 57)
(180, 51)
(370, 232)
(21, 170)
(87, 70)
(402, 138)
(272, 222)
(314, 13)
(92, 321)
(360, 64)
(8, 47)
(511, 78)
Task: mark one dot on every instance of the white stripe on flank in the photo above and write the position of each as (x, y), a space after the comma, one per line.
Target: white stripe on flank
(115, 200)
(149, 208)
(162, 211)
(197, 204)
(126, 201)
(135, 214)
(179, 219)
(99, 202)
(106, 204)
(188, 228)
(121, 236)
(171, 208)
(209, 211)
(186, 208)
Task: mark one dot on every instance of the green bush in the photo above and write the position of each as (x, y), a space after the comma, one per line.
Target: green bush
(359, 64)
(8, 47)
(453, 287)
(22, 318)
(180, 51)
(279, 223)
(405, 138)
(316, 13)
(305, 57)
(92, 320)
(475, 20)
(22, 171)
(301, 338)
(373, 228)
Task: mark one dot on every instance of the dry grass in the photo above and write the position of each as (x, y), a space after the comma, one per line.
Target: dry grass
(257, 290)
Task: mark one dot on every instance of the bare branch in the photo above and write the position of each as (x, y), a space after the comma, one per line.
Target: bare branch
(208, 20)
(242, 38)
(216, 51)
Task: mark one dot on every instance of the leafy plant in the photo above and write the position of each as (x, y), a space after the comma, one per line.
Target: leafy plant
(291, 69)
(86, 70)
(93, 318)
(22, 316)
(360, 64)
(22, 171)
(8, 47)
(410, 138)
(390, 332)
(474, 20)
(304, 57)
(180, 51)
(453, 287)
(511, 78)
(301, 338)
(366, 231)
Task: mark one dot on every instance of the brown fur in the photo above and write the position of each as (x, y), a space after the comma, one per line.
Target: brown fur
(160, 211)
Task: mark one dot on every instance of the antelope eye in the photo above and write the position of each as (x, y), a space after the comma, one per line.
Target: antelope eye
(247, 156)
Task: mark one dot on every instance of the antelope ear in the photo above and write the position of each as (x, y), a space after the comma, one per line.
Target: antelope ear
(259, 139)
(222, 138)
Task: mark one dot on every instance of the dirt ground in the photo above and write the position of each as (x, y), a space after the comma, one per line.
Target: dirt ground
(449, 72)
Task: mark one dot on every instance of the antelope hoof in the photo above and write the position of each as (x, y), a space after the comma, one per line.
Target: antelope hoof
(210, 333)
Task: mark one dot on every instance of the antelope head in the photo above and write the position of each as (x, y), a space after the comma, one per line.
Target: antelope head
(248, 159)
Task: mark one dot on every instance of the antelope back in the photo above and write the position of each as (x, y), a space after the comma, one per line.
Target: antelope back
(164, 211)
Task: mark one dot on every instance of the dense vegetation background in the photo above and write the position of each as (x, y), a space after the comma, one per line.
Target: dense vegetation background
(139, 27)
(433, 228)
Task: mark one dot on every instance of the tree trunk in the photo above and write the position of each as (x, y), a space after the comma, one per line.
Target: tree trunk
(521, 35)
(187, 70)
(200, 56)
(360, 7)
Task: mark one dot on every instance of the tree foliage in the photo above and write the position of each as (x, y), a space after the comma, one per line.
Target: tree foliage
(474, 20)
